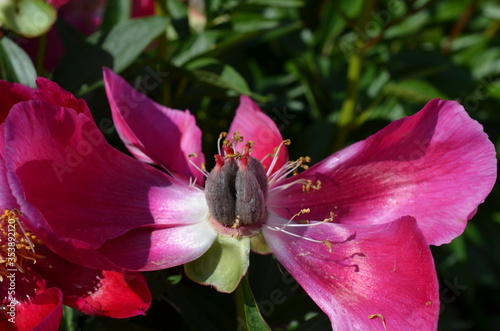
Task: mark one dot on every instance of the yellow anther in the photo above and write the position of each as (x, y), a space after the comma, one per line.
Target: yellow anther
(193, 155)
(381, 317)
(222, 135)
(17, 245)
(236, 137)
(330, 219)
(309, 185)
(328, 244)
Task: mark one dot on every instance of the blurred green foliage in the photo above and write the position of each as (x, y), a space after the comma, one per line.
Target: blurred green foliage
(329, 73)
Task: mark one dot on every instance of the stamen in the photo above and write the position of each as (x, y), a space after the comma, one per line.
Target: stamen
(275, 155)
(307, 223)
(290, 168)
(301, 212)
(15, 246)
(309, 185)
(236, 139)
(325, 242)
(202, 170)
(222, 135)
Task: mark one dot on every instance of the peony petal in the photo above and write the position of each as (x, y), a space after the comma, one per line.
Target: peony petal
(253, 124)
(154, 133)
(7, 200)
(79, 193)
(374, 277)
(437, 165)
(52, 93)
(43, 313)
(95, 292)
(10, 94)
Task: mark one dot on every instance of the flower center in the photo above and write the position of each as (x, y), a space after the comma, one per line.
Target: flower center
(236, 191)
(17, 245)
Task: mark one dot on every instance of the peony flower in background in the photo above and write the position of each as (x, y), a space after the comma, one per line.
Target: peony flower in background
(353, 230)
(34, 281)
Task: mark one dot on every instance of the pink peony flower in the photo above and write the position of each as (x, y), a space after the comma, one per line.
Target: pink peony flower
(354, 230)
(34, 280)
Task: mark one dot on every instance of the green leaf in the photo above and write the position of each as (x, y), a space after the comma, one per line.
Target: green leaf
(15, 64)
(118, 50)
(278, 3)
(253, 318)
(227, 79)
(223, 265)
(178, 12)
(28, 18)
(116, 11)
(414, 90)
(128, 39)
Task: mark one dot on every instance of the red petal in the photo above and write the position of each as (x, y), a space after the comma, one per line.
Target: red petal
(43, 313)
(92, 291)
(375, 277)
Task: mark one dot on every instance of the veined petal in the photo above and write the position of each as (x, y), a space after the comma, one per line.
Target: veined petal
(253, 124)
(80, 194)
(374, 277)
(437, 165)
(154, 133)
(92, 291)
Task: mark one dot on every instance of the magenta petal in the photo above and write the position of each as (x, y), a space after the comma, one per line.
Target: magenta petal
(10, 94)
(253, 124)
(437, 165)
(52, 93)
(80, 194)
(154, 133)
(374, 277)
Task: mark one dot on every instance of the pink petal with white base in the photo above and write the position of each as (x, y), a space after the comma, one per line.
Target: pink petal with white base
(253, 124)
(154, 133)
(437, 165)
(375, 277)
(91, 194)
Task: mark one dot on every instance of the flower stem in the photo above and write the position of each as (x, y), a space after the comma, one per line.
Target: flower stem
(355, 65)
(40, 54)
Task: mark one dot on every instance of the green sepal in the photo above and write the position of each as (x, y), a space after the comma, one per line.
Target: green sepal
(28, 18)
(223, 265)
(258, 244)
